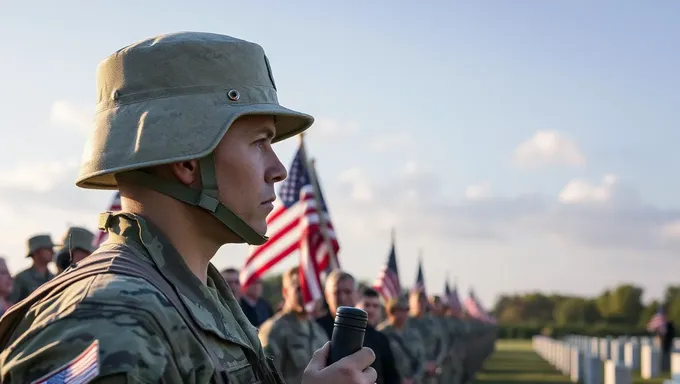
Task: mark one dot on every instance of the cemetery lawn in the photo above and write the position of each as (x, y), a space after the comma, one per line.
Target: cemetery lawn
(515, 362)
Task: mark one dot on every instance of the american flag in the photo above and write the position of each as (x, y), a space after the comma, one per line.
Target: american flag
(658, 322)
(113, 207)
(452, 298)
(83, 369)
(420, 279)
(387, 282)
(474, 308)
(294, 225)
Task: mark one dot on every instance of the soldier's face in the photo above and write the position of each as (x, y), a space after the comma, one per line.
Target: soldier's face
(293, 294)
(247, 169)
(371, 305)
(343, 294)
(233, 283)
(5, 279)
(44, 255)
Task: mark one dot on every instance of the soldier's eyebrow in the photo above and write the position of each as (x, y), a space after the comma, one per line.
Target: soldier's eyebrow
(268, 130)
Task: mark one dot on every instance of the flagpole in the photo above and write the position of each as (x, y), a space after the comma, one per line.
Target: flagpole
(317, 197)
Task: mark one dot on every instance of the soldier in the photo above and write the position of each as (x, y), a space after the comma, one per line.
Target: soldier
(291, 336)
(433, 337)
(40, 249)
(76, 244)
(184, 128)
(405, 342)
(452, 366)
(230, 275)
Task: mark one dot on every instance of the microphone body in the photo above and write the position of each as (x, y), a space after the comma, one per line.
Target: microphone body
(349, 329)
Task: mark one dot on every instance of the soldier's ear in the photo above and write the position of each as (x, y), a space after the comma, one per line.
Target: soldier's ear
(187, 172)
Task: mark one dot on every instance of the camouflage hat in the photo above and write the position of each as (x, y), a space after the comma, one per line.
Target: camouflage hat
(77, 238)
(38, 242)
(395, 303)
(172, 98)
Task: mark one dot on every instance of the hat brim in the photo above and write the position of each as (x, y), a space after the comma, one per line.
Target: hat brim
(187, 126)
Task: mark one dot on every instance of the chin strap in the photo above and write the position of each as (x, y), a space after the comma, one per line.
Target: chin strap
(207, 197)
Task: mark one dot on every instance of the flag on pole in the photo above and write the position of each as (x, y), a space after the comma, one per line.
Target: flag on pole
(452, 298)
(420, 278)
(113, 207)
(387, 283)
(294, 226)
(474, 308)
(658, 322)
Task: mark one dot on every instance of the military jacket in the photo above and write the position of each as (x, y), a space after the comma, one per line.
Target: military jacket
(26, 282)
(408, 350)
(291, 342)
(125, 330)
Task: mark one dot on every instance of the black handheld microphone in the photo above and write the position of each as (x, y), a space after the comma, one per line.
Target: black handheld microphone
(348, 333)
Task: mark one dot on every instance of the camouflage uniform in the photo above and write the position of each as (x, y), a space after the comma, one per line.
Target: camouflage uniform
(434, 339)
(291, 341)
(163, 100)
(30, 279)
(408, 350)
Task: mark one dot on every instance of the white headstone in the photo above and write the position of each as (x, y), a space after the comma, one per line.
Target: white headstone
(616, 347)
(616, 373)
(650, 362)
(577, 365)
(631, 356)
(675, 365)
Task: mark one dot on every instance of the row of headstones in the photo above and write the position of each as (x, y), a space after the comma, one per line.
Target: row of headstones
(581, 357)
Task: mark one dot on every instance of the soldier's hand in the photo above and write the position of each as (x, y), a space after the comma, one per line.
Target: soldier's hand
(353, 369)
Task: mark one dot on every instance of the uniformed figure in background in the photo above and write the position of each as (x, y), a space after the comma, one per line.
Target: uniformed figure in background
(40, 249)
(292, 335)
(6, 281)
(406, 344)
(433, 336)
(452, 366)
(76, 244)
(184, 128)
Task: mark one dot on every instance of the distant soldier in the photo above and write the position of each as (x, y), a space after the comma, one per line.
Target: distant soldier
(433, 336)
(76, 244)
(292, 335)
(41, 249)
(230, 275)
(406, 344)
(452, 366)
(256, 308)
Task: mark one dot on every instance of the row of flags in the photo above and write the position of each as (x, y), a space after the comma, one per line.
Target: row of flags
(300, 223)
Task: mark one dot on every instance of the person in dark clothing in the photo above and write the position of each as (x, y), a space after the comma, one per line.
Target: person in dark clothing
(256, 309)
(341, 290)
(667, 345)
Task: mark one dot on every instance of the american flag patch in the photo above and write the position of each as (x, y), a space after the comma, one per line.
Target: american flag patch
(80, 370)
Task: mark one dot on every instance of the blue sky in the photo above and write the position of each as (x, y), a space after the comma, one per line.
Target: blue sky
(425, 119)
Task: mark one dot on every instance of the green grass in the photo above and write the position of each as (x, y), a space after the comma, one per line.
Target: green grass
(515, 362)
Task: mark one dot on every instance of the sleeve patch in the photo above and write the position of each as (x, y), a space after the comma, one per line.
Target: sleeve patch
(80, 370)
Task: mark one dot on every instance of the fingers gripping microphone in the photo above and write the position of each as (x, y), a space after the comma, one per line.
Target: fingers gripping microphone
(348, 333)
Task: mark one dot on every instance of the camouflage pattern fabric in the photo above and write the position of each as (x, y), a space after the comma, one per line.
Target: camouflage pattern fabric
(408, 350)
(141, 336)
(26, 282)
(433, 338)
(291, 342)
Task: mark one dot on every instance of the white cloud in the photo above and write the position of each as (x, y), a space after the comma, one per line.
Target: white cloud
(548, 148)
(604, 216)
(331, 128)
(71, 116)
(360, 188)
(36, 177)
(478, 191)
(581, 191)
(390, 142)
